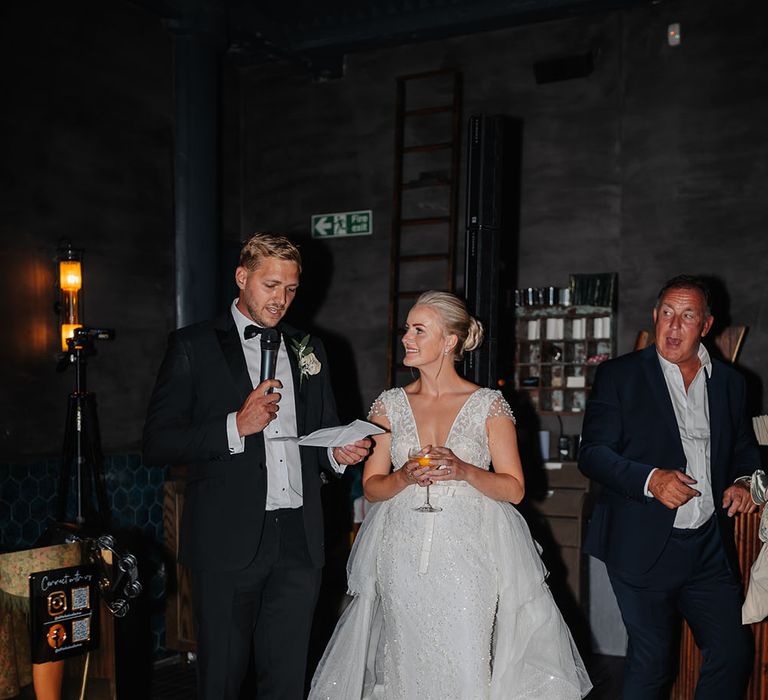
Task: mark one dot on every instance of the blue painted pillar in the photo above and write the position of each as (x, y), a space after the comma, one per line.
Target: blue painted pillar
(198, 47)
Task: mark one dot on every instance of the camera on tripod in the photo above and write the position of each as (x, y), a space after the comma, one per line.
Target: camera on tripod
(83, 338)
(82, 471)
(81, 345)
(84, 334)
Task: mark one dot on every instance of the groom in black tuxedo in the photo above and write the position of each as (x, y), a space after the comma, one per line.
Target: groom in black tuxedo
(252, 530)
(668, 437)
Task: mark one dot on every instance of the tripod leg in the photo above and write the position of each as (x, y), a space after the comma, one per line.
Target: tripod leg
(93, 472)
(67, 457)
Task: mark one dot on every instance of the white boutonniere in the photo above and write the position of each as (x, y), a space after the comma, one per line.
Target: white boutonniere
(309, 365)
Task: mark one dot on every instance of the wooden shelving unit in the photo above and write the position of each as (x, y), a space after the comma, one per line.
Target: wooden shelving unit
(558, 349)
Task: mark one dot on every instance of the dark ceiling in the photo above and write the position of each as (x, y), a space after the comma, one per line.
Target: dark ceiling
(311, 31)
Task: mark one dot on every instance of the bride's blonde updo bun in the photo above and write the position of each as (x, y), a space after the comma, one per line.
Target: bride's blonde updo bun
(475, 335)
(456, 320)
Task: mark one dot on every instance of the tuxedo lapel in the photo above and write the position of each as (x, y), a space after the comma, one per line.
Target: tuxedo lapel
(231, 347)
(299, 388)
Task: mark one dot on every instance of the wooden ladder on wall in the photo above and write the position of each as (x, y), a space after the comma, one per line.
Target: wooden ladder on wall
(424, 211)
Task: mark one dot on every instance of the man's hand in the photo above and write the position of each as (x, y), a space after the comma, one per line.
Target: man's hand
(354, 453)
(259, 409)
(671, 487)
(738, 499)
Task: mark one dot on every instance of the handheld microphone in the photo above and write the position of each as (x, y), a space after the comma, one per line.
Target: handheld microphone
(270, 342)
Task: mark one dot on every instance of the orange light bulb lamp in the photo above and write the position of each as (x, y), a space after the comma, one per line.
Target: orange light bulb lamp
(70, 285)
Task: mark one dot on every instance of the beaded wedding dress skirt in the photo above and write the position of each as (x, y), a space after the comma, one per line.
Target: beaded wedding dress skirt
(450, 605)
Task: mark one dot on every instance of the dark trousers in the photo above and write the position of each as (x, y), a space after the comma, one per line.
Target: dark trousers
(692, 579)
(265, 609)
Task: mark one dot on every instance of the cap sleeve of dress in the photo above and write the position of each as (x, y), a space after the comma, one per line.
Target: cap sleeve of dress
(500, 407)
(379, 407)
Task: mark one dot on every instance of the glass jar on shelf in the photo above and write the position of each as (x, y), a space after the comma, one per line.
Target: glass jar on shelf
(529, 353)
(579, 352)
(578, 400)
(552, 352)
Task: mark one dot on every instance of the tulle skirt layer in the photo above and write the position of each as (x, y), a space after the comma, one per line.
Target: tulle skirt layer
(530, 654)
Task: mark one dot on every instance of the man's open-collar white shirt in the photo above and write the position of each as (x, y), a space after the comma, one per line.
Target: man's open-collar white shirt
(692, 415)
(284, 485)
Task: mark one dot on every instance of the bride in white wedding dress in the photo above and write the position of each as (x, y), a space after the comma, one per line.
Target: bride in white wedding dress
(448, 605)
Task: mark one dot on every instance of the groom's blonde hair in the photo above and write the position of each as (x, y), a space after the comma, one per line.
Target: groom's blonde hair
(267, 245)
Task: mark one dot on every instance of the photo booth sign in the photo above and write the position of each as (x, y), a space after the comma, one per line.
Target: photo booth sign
(63, 606)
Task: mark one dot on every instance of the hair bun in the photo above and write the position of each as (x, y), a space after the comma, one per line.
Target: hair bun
(475, 335)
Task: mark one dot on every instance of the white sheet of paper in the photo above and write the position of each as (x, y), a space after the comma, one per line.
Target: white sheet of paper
(343, 435)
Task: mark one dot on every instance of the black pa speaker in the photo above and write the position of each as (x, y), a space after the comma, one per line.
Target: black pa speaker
(492, 224)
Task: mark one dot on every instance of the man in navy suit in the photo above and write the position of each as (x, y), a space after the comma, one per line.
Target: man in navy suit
(667, 437)
(252, 529)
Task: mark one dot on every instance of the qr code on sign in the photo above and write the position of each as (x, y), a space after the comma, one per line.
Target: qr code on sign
(81, 598)
(81, 629)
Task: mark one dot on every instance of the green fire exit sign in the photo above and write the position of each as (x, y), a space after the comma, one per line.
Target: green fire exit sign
(347, 223)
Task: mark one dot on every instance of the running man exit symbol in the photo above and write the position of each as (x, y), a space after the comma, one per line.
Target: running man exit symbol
(350, 223)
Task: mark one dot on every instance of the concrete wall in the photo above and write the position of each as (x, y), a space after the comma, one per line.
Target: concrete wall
(86, 129)
(653, 165)
(695, 161)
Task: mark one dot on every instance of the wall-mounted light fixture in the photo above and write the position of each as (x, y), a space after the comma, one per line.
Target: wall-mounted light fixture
(70, 289)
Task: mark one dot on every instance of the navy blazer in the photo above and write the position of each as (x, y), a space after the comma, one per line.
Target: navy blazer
(203, 378)
(630, 428)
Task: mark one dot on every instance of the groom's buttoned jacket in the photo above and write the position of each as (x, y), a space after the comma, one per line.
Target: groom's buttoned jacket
(202, 379)
(630, 428)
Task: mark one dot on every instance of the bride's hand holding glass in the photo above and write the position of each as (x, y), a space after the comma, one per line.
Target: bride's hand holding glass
(418, 466)
(448, 467)
(423, 458)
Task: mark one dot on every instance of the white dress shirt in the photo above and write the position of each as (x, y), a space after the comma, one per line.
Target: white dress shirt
(692, 414)
(284, 481)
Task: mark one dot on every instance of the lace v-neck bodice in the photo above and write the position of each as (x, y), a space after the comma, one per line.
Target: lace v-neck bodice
(467, 437)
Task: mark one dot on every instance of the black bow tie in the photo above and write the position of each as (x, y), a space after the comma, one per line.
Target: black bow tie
(251, 331)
